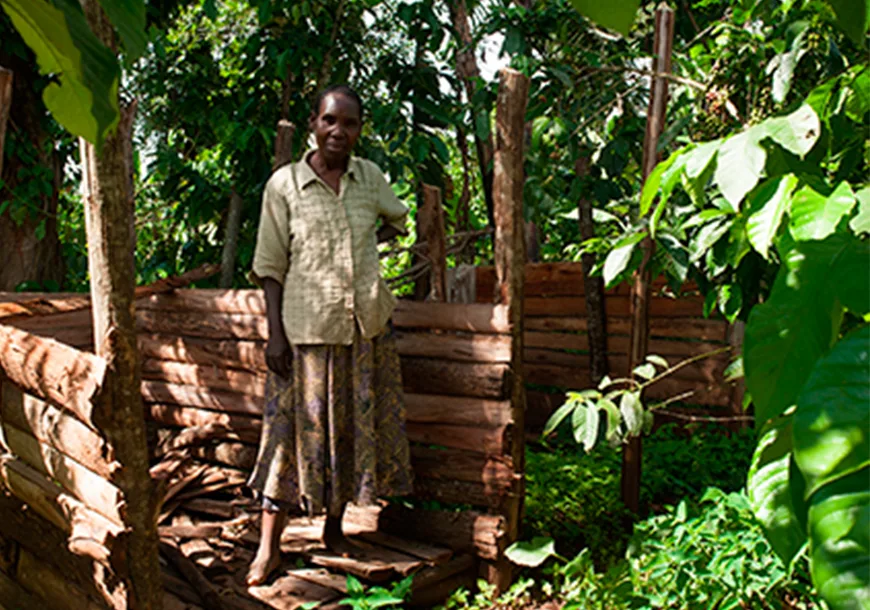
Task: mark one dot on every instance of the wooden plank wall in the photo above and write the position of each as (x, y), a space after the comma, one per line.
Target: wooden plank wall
(203, 362)
(62, 516)
(556, 345)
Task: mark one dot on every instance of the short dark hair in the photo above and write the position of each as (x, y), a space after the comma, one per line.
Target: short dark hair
(345, 90)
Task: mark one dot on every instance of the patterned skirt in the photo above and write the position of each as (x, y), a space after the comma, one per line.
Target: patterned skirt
(335, 432)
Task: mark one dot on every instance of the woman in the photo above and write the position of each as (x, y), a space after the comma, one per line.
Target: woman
(333, 425)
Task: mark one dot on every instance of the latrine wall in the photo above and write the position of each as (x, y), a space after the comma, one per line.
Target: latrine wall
(556, 351)
(62, 524)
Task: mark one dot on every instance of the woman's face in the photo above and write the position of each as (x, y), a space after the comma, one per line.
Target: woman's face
(336, 127)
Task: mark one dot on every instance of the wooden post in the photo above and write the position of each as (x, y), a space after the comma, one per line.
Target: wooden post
(593, 287)
(735, 334)
(231, 240)
(432, 226)
(510, 259)
(664, 35)
(108, 201)
(5, 107)
(284, 144)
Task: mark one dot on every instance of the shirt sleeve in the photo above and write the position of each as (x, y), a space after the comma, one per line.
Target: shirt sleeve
(393, 211)
(272, 252)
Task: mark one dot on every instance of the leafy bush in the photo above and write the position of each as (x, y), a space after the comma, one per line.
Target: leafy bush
(709, 554)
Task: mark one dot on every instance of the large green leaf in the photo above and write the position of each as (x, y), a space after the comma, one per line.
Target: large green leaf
(814, 216)
(832, 421)
(852, 16)
(861, 222)
(839, 528)
(795, 327)
(85, 98)
(739, 165)
(796, 132)
(128, 17)
(616, 14)
(768, 203)
(770, 490)
(533, 553)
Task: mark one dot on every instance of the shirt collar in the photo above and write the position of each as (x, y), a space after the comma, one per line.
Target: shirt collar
(307, 175)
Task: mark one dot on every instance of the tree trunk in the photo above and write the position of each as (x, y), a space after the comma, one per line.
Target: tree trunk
(5, 107)
(663, 43)
(231, 240)
(29, 246)
(109, 219)
(510, 260)
(466, 68)
(593, 287)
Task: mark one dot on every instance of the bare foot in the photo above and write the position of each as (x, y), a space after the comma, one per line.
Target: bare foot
(262, 566)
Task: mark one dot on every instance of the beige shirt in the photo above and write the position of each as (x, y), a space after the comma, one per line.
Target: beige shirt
(323, 248)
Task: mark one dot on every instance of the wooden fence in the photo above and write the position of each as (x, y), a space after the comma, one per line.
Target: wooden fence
(203, 363)
(556, 355)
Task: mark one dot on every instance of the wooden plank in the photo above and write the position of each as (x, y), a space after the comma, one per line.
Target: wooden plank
(491, 441)
(467, 348)
(200, 398)
(247, 355)
(465, 531)
(617, 306)
(90, 534)
(469, 317)
(48, 543)
(247, 427)
(371, 570)
(235, 454)
(52, 371)
(427, 552)
(430, 217)
(57, 428)
(457, 410)
(52, 586)
(434, 376)
(94, 491)
(495, 472)
(681, 328)
(321, 577)
(457, 492)
(15, 597)
(212, 300)
(290, 593)
(212, 377)
(194, 324)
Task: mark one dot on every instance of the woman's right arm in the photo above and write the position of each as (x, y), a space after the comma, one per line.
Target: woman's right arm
(279, 355)
(271, 261)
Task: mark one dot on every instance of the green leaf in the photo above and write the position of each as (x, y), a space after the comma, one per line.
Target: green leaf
(839, 528)
(531, 554)
(797, 132)
(539, 126)
(768, 202)
(647, 371)
(770, 492)
(814, 216)
(657, 360)
(852, 17)
(652, 184)
(616, 262)
(128, 17)
(730, 301)
(578, 421)
(698, 159)
(796, 326)
(558, 417)
(739, 165)
(85, 98)
(832, 422)
(617, 15)
(632, 412)
(706, 237)
(861, 222)
(381, 598)
(590, 433)
(611, 411)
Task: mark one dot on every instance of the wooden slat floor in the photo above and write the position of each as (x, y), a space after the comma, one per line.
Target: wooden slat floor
(217, 531)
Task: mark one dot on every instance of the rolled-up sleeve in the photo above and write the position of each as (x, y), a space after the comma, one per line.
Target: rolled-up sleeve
(393, 211)
(272, 253)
